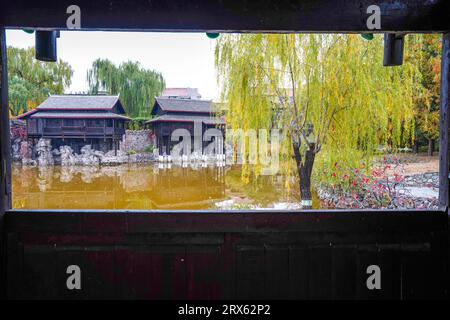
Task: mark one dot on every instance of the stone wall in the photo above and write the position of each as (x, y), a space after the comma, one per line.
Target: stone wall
(137, 140)
(91, 157)
(19, 143)
(65, 156)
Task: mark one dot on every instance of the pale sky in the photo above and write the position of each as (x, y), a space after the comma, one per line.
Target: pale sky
(184, 59)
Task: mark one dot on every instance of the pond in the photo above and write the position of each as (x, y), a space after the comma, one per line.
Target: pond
(148, 187)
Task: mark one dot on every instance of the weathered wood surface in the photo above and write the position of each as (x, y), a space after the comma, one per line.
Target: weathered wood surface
(5, 162)
(222, 255)
(444, 147)
(76, 132)
(5, 143)
(229, 15)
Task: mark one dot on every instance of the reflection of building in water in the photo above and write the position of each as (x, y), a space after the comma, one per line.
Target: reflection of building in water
(121, 187)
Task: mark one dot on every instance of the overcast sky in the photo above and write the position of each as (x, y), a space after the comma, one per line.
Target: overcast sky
(184, 59)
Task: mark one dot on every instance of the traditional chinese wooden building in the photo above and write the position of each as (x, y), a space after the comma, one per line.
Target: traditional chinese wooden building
(171, 113)
(77, 120)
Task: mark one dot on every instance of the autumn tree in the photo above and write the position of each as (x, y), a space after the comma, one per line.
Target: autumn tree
(137, 86)
(337, 99)
(425, 52)
(31, 81)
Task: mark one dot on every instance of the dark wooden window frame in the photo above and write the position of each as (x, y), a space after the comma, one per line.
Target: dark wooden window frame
(412, 244)
(230, 16)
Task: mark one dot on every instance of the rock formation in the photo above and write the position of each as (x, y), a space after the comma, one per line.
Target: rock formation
(44, 151)
(25, 154)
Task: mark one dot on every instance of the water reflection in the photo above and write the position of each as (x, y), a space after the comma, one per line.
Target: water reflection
(147, 187)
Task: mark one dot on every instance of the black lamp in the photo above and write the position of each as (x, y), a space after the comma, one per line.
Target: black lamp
(46, 45)
(393, 49)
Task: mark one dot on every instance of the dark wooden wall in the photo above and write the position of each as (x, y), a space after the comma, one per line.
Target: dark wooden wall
(227, 255)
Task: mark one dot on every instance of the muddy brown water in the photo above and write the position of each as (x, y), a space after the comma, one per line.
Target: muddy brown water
(148, 187)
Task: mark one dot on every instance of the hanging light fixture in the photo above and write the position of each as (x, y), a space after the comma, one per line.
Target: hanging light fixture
(212, 35)
(393, 49)
(46, 45)
(367, 36)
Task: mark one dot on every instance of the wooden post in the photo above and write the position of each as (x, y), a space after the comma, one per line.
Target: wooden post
(5, 161)
(5, 142)
(444, 155)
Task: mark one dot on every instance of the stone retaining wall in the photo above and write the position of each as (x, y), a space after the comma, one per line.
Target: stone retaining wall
(65, 156)
(137, 140)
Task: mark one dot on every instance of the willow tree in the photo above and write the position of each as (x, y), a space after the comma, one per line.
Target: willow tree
(31, 81)
(137, 86)
(335, 96)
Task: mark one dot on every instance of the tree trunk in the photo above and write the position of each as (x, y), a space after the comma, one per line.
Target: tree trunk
(430, 147)
(416, 146)
(304, 173)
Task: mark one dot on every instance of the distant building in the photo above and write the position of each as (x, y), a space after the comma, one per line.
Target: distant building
(181, 93)
(181, 113)
(77, 120)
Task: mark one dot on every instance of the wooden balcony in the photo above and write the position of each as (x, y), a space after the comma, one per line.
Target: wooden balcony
(76, 132)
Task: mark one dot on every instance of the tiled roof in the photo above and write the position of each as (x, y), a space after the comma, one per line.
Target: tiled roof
(79, 102)
(185, 105)
(78, 115)
(26, 114)
(186, 118)
(73, 104)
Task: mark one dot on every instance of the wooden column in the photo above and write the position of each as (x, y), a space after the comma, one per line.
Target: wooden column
(5, 184)
(114, 137)
(5, 161)
(444, 154)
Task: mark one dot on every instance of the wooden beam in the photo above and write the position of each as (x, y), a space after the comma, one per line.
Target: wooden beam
(5, 161)
(230, 15)
(5, 152)
(444, 147)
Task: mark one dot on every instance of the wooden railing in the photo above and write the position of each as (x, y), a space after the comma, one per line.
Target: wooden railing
(77, 131)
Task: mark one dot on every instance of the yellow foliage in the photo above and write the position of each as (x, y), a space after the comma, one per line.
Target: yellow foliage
(336, 83)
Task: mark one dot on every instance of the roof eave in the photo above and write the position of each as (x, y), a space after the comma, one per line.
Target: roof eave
(26, 114)
(72, 109)
(116, 117)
